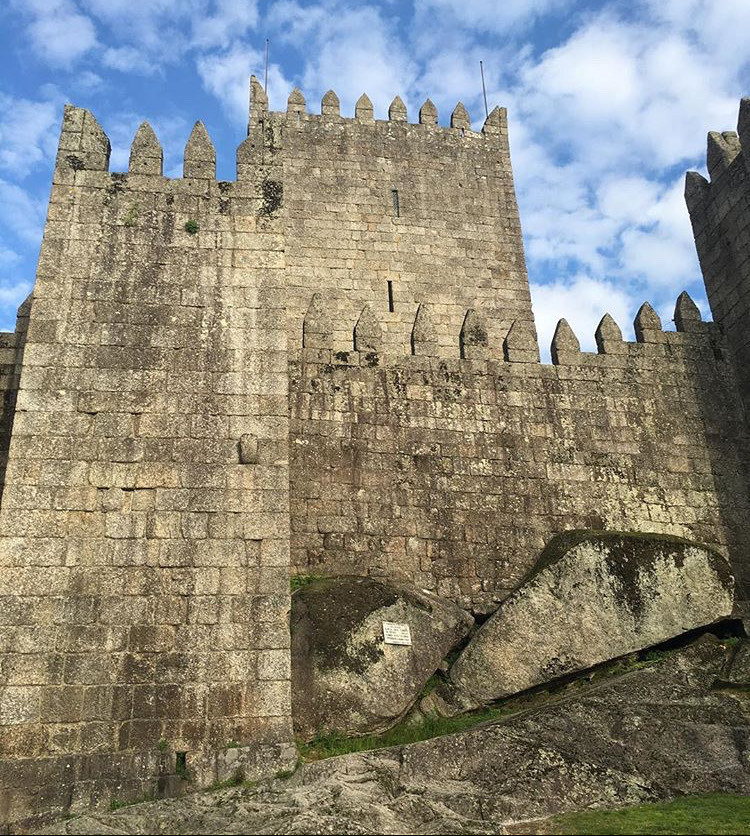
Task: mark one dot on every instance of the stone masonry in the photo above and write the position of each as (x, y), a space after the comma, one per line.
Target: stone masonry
(327, 366)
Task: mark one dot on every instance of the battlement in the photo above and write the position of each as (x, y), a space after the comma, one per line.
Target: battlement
(471, 343)
(84, 146)
(424, 214)
(329, 364)
(495, 124)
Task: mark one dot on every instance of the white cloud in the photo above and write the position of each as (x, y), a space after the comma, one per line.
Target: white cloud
(227, 76)
(351, 49)
(583, 301)
(147, 35)
(661, 248)
(21, 212)
(8, 256)
(58, 32)
(13, 293)
(88, 81)
(723, 27)
(128, 59)
(28, 133)
(486, 15)
(228, 21)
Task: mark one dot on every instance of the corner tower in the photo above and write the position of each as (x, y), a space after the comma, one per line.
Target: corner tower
(144, 526)
(720, 214)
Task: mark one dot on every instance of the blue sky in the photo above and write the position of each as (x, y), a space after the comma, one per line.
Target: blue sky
(609, 103)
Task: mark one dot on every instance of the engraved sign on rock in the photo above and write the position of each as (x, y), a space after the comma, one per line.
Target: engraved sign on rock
(395, 633)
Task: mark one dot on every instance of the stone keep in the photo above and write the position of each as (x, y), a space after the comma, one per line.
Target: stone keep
(327, 366)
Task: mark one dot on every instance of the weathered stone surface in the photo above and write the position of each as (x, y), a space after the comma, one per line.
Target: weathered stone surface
(428, 113)
(565, 346)
(128, 523)
(591, 597)
(738, 669)
(648, 735)
(345, 679)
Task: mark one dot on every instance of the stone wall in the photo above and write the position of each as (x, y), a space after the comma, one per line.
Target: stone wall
(12, 344)
(144, 529)
(453, 474)
(334, 352)
(720, 213)
(425, 210)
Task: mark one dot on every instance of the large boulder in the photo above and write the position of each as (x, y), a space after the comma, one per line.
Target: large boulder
(345, 678)
(591, 597)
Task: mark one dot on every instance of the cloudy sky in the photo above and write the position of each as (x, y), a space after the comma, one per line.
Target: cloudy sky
(609, 103)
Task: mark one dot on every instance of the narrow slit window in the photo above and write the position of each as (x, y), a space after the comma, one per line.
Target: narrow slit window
(390, 295)
(394, 198)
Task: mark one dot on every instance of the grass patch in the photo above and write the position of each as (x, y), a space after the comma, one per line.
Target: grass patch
(132, 215)
(413, 730)
(330, 745)
(119, 803)
(234, 780)
(299, 581)
(709, 814)
(287, 773)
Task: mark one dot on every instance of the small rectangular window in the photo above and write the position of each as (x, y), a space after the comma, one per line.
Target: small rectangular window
(394, 197)
(390, 295)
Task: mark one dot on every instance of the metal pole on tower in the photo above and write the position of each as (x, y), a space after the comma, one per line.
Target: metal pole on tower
(265, 81)
(484, 91)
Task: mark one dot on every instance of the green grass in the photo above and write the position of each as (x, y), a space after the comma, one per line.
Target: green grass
(298, 581)
(412, 731)
(119, 803)
(234, 780)
(330, 745)
(719, 813)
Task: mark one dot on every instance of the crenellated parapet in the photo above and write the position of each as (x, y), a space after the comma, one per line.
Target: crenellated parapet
(459, 122)
(720, 214)
(451, 470)
(692, 334)
(84, 146)
(518, 345)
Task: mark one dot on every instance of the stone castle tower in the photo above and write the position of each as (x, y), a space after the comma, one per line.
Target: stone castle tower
(330, 366)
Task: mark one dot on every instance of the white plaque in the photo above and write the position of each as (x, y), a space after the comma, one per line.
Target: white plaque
(394, 633)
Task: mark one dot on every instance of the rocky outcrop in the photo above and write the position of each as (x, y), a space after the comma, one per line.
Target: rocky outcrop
(648, 735)
(592, 596)
(738, 670)
(345, 678)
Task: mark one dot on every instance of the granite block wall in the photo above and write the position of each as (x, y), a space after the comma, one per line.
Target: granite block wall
(720, 214)
(326, 366)
(12, 344)
(391, 214)
(453, 474)
(144, 528)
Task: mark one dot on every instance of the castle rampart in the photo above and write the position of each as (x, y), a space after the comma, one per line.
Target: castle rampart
(328, 365)
(144, 546)
(454, 473)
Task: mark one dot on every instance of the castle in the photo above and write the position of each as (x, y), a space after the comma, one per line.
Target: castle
(330, 366)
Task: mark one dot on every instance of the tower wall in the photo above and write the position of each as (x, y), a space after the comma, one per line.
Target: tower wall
(144, 529)
(429, 209)
(720, 214)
